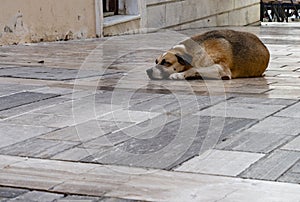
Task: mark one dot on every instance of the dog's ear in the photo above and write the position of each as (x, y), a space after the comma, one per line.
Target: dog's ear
(184, 59)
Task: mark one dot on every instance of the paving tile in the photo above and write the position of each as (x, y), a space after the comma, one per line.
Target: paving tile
(292, 111)
(77, 198)
(64, 109)
(294, 145)
(284, 93)
(12, 179)
(11, 134)
(86, 131)
(212, 132)
(26, 163)
(46, 73)
(159, 105)
(266, 101)
(7, 160)
(292, 175)
(123, 97)
(218, 162)
(273, 166)
(37, 148)
(22, 98)
(54, 90)
(6, 192)
(254, 142)
(114, 138)
(241, 110)
(210, 100)
(31, 107)
(174, 142)
(144, 152)
(277, 125)
(232, 126)
(79, 94)
(248, 89)
(128, 116)
(37, 196)
(118, 200)
(155, 124)
(75, 154)
(12, 88)
(4, 92)
(46, 120)
(144, 184)
(178, 104)
(80, 109)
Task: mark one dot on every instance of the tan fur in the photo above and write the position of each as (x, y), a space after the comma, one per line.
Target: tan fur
(222, 54)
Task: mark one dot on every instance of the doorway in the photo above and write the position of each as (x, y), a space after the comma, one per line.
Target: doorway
(110, 7)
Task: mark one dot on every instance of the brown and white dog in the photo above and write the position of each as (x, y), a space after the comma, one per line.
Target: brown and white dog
(219, 54)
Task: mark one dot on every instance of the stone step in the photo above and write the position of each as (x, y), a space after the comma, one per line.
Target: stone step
(121, 24)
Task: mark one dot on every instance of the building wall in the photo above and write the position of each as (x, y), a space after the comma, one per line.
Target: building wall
(183, 14)
(24, 21)
(46, 20)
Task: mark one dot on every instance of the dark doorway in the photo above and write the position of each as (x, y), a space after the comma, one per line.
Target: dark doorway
(110, 7)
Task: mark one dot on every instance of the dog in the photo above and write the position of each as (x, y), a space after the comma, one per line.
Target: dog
(218, 54)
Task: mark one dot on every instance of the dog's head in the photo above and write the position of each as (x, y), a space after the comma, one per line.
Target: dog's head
(172, 61)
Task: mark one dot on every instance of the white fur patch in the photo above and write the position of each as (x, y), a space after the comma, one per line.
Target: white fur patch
(179, 46)
(156, 73)
(177, 76)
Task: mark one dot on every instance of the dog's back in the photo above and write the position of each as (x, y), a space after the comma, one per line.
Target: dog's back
(242, 52)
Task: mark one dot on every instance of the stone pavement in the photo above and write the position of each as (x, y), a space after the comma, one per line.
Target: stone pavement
(80, 121)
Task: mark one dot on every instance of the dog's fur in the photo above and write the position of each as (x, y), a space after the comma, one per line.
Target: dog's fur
(224, 54)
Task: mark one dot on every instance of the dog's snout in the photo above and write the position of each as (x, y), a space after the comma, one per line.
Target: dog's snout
(154, 73)
(149, 71)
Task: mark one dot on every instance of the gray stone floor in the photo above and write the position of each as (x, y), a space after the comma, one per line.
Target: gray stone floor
(80, 121)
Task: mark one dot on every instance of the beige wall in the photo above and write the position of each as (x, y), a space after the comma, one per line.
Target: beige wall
(49, 20)
(183, 14)
(46, 20)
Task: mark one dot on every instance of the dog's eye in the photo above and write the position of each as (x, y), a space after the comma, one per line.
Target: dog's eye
(168, 64)
(165, 63)
(156, 61)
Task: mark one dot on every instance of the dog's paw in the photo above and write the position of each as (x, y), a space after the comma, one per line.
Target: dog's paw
(177, 76)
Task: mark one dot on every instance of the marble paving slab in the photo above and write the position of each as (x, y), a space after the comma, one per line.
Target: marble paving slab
(137, 184)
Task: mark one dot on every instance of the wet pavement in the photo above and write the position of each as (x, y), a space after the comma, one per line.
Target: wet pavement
(80, 121)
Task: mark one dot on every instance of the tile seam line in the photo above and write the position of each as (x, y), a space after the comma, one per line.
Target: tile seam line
(271, 115)
(289, 168)
(266, 156)
(49, 190)
(35, 101)
(284, 108)
(34, 111)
